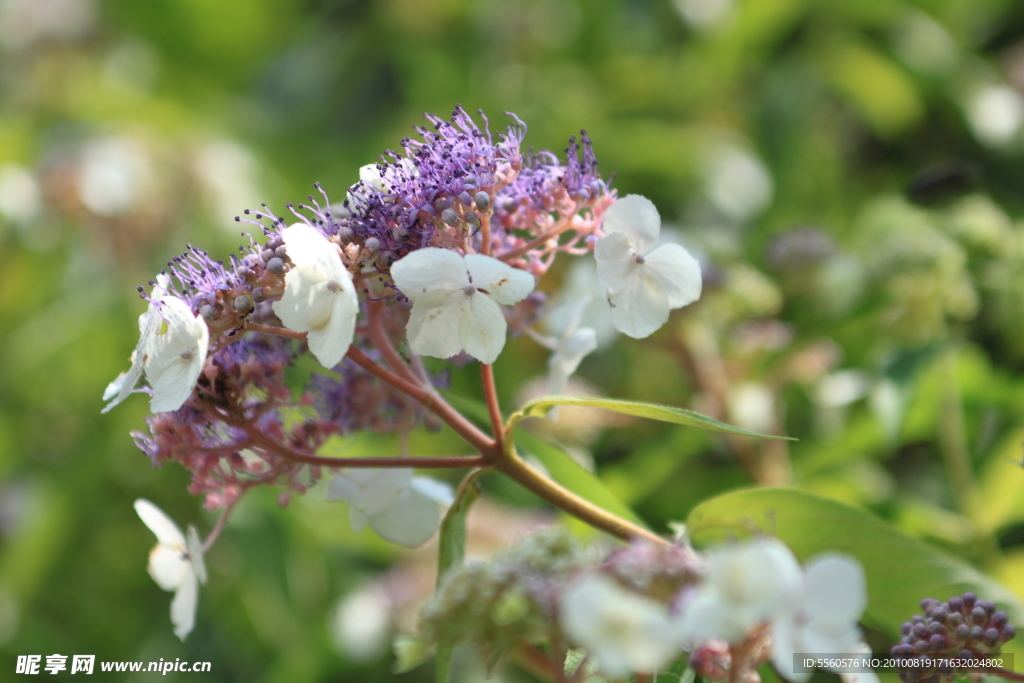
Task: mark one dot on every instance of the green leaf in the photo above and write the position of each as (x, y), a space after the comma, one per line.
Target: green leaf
(451, 551)
(651, 411)
(570, 474)
(900, 570)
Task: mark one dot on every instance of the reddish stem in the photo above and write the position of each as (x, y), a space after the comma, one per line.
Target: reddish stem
(556, 230)
(491, 397)
(487, 447)
(271, 329)
(380, 339)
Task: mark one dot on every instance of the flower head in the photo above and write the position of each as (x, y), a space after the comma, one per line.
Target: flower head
(643, 283)
(319, 297)
(623, 631)
(176, 564)
(745, 586)
(456, 301)
(401, 508)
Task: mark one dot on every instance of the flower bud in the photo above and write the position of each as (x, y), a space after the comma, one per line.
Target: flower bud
(281, 251)
(275, 266)
(472, 218)
(482, 200)
(208, 312)
(373, 244)
(243, 304)
(346, 235)
(450, 217)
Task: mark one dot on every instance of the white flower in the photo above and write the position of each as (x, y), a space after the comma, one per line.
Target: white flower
(455, 301)
(171, 351)
(643, 284)
(822, 618)
(569, 351)
(401, 508)
(319, 297)
(744, 586)
(623, 631)
(176, 564)
(175, 353)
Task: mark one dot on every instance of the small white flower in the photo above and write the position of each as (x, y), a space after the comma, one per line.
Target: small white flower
(319, 297)
(569, 351)
(401, 508)
(175, 353)
(744, 586)
(624, 632)
(643, 283)
(176, 564)
(171, 351)
(456, 301)
(823, 617)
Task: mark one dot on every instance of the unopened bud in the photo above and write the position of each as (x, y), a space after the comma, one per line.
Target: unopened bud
(482, 200)
(275, 266)
(472, 217)
(373, 244)
(243, 304)
(208, 312)
(281, 251)
(386, 259)
(346, 235)
(450, 217)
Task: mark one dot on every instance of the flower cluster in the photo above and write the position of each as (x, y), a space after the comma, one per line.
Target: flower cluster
(641, 607)
(963, 626)
(436, 251)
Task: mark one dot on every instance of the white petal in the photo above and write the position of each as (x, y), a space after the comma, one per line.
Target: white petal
(159, 523)
(573, 350)
(306, 303)
(784, 645)
(330, 343)
(175, 355)
(342, 488)
(169, 566)
(114, 388)
(635, 217)
(370, 175)
(677, 272)
(482, 329)
(183, 607)
(357, 518)
(409, 521)
(709, 616)
(195, 554)
(308, 248)
(640, 307)
(148, 324)
(615, 264)
(836, 590)
(437, 491)
(503, 283)
(369, 490)
(428, 270)
(433, 328)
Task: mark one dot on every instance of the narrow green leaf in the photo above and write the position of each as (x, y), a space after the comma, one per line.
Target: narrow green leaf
(651, 411)
(573, 476)
(451, 550)
(900, 570)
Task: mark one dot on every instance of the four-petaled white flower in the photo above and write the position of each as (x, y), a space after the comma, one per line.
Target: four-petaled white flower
(823, 616)
(623, 631)
(176, 564)
(643, 284)
(319, 297)
(744, 586)
(401, 508)
(456, 301)
(569, 351)
(171, 352)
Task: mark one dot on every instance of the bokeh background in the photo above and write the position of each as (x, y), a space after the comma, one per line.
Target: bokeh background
(849, 171)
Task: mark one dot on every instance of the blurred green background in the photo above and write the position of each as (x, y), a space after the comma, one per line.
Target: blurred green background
(849, 171)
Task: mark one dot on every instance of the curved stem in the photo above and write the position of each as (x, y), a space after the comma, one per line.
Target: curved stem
(271, 329)
(430, 400)
(379, 337)
(513, 466)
